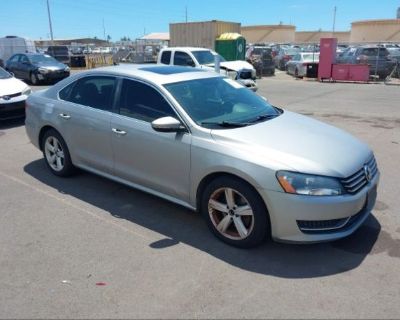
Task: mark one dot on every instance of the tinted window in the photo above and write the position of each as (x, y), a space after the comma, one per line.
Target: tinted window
(96, 92)
(204, 57)
(182, 59)
(166, 57)
(65, 93)
(24, 59)
(373, 52)
(143, 102)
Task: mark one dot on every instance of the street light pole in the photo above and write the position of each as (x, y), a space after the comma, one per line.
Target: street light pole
(334, 20)
(50, 24)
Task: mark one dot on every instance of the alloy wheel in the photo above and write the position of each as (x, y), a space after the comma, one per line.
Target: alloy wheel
(231, 214)
(54, 153)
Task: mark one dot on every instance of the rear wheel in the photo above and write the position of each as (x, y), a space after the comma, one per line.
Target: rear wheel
(56, 154)
(235, 213)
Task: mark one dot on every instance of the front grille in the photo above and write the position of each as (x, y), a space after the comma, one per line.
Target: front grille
(358, 180)
(12, 95)
(245, 75)
(12, 110)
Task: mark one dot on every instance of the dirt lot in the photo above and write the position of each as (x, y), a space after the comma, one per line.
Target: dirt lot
(61, 237)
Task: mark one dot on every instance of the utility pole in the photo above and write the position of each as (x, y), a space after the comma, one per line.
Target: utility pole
(334, 20)
(186, 15)
(104, 30)
(50, 24)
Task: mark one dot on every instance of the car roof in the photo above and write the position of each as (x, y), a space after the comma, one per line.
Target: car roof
(187, 49)
(158, 74)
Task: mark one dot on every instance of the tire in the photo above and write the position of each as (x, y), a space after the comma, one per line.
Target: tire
(54, 147)
(296, 73)
(232, 221)
(33, 79)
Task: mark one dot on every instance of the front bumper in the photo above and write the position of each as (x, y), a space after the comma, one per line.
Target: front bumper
(338, 216)
(12, 109)
(53, 76)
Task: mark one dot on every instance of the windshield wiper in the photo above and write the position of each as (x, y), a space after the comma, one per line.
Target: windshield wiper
(227, 124)
(263, 117)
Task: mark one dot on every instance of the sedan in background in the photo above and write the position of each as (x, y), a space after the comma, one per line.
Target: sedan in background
(284, 56)
(37, 68)
(13, 93)
(204, 141)
(304, 64)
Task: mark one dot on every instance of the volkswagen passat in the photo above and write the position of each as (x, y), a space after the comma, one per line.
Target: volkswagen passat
(203, 141)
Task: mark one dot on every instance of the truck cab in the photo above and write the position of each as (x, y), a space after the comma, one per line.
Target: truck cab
(240, 71)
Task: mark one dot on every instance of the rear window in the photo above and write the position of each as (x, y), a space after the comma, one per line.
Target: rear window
(166, 57)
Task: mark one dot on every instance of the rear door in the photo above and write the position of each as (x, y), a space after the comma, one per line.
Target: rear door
(84, 115)
(12, 65)
(155, 160)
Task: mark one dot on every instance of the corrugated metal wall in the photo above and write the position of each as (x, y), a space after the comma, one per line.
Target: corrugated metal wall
(199, 34)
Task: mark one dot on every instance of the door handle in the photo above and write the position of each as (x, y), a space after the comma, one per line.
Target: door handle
(65, 116)
(119, 132)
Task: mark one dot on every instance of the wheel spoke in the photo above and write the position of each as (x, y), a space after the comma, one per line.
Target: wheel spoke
(230, 201)
(240, 227)
(52, 158)
(59, 163)
(50, 147)
(61, 154)
(218, 206)
(224, 224)
(244, 211)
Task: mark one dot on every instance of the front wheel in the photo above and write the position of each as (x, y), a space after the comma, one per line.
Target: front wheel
(33, 78)
(235, 213)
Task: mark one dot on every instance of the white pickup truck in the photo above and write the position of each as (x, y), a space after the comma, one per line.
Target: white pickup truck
(241, 71)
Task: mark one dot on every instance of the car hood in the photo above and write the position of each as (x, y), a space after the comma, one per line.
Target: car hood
(11, 86)
(231, 65)
(295, 142)
(51, 65)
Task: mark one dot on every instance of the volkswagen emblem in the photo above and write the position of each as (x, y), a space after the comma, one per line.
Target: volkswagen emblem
(367, 173)
(6, 98)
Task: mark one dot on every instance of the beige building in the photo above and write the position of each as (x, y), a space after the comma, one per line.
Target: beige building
(269, 33)
(375, 31)
(200, 34)
(315, 36)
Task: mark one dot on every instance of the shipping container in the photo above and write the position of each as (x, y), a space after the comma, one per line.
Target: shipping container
(200, 34)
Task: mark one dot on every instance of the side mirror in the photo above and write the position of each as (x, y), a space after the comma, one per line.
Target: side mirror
(167, 124)
(190, 63)
(12, 73)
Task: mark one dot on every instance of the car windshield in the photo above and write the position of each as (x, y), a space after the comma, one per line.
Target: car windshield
(39, 58)
(205, 57)
(221, 102)
(4, 74)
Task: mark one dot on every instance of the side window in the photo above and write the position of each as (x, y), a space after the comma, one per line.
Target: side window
(24, 59)
(183, 59)
(65, 93)
(140, 101)
(94, 91)
(166, 57)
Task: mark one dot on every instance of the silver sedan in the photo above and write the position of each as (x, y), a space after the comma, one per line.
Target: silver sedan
(205, 142)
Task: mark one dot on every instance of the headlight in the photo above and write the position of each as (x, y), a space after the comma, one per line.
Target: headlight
(27, 91)
(310, 185)
(67, 69)
(44, 70)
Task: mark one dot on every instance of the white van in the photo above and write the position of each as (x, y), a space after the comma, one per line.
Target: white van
(11, 45)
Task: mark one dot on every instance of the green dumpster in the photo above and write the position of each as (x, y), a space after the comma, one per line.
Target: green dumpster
(232, 46)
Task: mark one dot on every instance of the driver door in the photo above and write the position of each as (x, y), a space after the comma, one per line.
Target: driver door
(154, 160)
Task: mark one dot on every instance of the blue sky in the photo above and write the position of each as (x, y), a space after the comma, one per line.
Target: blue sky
(84, 18)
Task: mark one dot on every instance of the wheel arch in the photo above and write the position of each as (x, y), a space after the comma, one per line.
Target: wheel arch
(214, 175)
(42, 132)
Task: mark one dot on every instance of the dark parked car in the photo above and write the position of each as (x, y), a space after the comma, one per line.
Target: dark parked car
(60, 53)
(376, 57)
(394, 54)
(261, 59)
(284, 56)
(36, 67)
